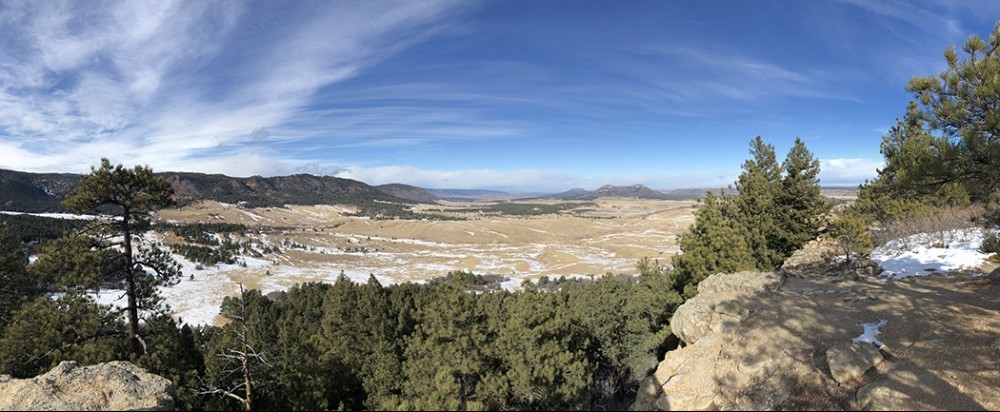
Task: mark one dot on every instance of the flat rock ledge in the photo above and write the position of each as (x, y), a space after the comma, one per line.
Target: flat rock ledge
(785, 341)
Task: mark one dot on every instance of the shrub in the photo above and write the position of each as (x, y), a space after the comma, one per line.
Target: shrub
(991, 244)
(941, 223)
(851, 236)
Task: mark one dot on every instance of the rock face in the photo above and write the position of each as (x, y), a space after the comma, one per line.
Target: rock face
(765, 341)
(106, 386)
(724, 366)
(808, 260)
(716, 308)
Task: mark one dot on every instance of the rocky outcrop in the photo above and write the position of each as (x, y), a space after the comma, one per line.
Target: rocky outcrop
(716, 308)
(723, 366)
(783, 340)
(106, 386)
(809, 260)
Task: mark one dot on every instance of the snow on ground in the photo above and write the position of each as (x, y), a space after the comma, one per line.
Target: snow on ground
(57, 215)
(252, 215)
(870, 334)
(916, 256)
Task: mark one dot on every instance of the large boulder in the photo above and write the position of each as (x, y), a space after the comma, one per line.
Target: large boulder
(723, 365)
(760, 341)
(718, 308)
(105, 386)
(849, 362)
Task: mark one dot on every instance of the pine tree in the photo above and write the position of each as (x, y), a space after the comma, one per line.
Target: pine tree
(959, 106)
(445, 360)
(852, 236)
(714, 244)
(542, 355)
(46, 331)
(239, 368)
(946, 149)
(131, 196)
(758, 187)
(799, 204)
(358, 332)
(16, 285)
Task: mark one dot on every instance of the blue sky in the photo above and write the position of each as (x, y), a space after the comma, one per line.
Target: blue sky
(515, 95)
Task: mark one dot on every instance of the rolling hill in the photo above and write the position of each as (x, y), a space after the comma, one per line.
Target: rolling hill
(42, 192)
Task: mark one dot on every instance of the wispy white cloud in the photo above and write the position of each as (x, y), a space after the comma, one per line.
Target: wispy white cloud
(701, 73)
(166, 82)
(916, 14)
(847, 171)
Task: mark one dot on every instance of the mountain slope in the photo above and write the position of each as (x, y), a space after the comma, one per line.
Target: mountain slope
(408, 192)
(34, 192)
(256, 191)
(42, 192)
(634, 192)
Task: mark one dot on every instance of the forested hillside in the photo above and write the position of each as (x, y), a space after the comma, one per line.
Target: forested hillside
(32, 192)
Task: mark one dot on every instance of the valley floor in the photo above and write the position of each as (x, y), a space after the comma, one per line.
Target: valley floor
(607, 237)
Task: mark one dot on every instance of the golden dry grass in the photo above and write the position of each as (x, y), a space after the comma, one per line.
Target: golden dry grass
(611, 237)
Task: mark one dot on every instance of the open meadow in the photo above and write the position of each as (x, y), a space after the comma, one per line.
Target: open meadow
(317, 243)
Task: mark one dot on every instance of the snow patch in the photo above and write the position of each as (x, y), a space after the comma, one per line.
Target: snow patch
(251, 214)
(916, 256)
(59, 215)
(870, 334)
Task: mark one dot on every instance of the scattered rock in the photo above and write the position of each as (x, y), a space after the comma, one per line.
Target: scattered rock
(995, 345)
(105, 386)
(862, 268)
(849, 362)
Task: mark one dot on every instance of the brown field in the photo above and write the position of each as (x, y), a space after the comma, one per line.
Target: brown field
(609, 236)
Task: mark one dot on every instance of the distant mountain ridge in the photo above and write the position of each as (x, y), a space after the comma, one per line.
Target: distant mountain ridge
(633, 192)
(34, 192)
(42, 192)
(467, 194)
(257, 191)
(408, 192)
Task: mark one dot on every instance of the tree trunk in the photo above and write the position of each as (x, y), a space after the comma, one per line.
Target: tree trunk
(132, 309)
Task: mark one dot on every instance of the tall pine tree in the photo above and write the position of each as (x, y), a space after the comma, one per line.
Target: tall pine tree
(445, 357)
(131, 195)
(715, 244)
(946, 150)
(960, 108)
(758, 188)
(799, 204)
